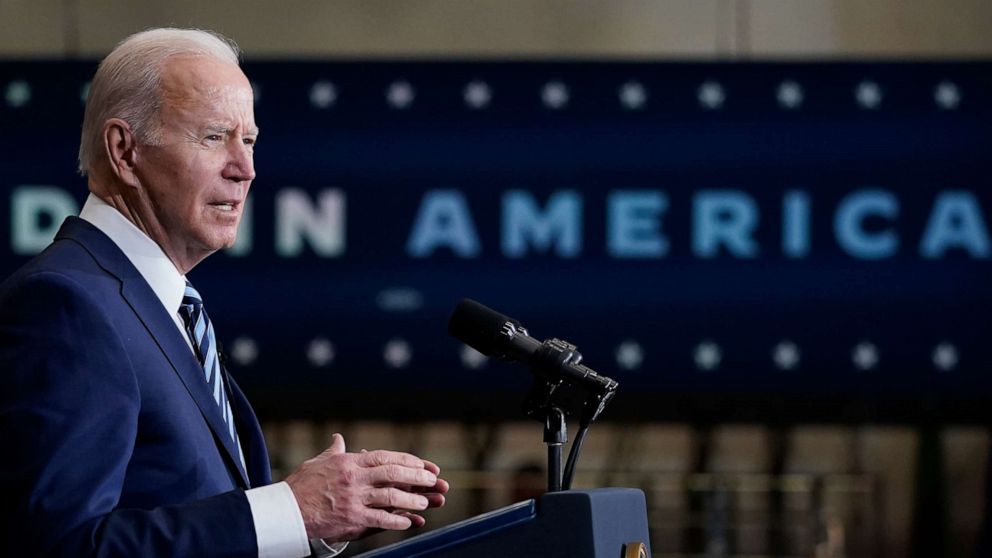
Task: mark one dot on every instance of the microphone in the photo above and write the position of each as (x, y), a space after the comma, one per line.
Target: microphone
(562, 385)
(497, 335)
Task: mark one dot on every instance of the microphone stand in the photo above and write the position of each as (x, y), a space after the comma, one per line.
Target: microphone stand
(541, 405)
(555, 395)
(555, 436)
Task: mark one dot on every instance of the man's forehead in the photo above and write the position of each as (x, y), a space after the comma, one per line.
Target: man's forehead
(217, 93)
(201, 77)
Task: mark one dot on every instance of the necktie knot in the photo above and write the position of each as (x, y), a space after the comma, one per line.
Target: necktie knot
(191, 310)
(191, 297)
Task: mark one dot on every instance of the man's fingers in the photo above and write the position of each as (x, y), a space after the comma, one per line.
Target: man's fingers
(435, 497)
(434, 500)
(395, 498)
(382, 519)
(441, 487)
(386, 457)
(430, 466)
(415, 520)
(400, 476)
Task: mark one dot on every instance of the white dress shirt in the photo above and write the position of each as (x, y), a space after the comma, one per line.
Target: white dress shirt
(279, 528)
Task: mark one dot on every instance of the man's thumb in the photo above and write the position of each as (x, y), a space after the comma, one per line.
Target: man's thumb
(337, 444)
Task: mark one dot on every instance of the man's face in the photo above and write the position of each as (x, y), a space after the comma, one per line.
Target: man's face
(195, 179)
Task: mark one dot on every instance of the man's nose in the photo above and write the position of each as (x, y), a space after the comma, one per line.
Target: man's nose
(241, 164)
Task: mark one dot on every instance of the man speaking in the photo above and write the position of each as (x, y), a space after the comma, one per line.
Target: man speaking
(122, 433)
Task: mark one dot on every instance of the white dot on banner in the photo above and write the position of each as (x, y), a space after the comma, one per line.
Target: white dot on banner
(865, 355)
(244, 351)
(320, 352)
(397, 353)
(868, 94)
(707, 355)
(400, 94)
(471, 358)
(629, 355)
(945, 357)
(789, 95)
(947, 95)
(632, 95)
(711, 95)
(786, 355)
(555, 95)
(323, 94)
(477, 94)
(17, 93)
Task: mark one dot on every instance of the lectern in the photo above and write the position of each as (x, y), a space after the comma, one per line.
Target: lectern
(598, 523)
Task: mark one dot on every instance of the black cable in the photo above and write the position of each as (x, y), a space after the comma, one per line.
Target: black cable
(573, 456)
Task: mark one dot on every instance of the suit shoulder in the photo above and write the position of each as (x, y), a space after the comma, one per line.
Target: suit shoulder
(64, 264)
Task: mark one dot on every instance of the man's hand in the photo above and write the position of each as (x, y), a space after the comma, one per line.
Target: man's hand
(344, 496)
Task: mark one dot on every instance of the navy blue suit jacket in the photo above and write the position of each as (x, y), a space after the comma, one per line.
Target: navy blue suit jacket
(113, 444)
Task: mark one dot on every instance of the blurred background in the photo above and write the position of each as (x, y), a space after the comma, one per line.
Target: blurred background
(767, 219)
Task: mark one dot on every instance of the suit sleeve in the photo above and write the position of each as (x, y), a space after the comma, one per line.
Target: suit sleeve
(68, 418)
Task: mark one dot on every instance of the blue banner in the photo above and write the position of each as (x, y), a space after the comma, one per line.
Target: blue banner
(781, 232)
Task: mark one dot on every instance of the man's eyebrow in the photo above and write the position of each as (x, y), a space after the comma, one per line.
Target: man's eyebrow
(226, 128)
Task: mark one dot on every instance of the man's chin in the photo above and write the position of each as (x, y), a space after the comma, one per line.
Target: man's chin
(223, 237)
(216, 243)
(229, 242)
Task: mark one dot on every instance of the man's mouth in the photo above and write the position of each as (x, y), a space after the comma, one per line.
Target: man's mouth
(225, 206)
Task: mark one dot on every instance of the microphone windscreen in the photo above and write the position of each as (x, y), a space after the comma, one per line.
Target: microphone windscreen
(479, 327)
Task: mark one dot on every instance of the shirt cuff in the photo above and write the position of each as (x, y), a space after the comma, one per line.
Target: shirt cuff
(279, 529)
(322, 549)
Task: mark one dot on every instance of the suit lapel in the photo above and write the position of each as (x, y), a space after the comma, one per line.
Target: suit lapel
(163, 329)
(252, 439)
(160, 325)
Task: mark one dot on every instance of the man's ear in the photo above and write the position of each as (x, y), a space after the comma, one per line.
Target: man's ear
(119, 143)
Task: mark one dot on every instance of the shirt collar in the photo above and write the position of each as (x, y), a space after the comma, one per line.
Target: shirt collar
(147, 257)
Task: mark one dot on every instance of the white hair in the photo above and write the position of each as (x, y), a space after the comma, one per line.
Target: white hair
(126, 84)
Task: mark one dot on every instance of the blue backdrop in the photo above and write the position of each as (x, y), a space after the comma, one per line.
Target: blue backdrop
(725, 239)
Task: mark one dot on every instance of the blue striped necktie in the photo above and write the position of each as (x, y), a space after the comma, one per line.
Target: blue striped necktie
(201, 333)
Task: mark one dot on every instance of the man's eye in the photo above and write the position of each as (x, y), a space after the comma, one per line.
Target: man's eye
(214, 137)
(249, 142)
